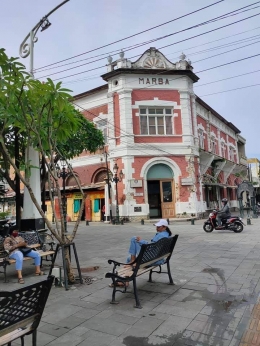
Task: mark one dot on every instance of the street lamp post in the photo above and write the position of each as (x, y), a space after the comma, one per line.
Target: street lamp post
(116, 179)
(63, 173)
(31, 217)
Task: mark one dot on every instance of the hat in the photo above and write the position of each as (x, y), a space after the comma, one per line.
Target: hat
(162, 222)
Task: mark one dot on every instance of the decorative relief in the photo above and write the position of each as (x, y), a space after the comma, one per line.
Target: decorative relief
(153, 62)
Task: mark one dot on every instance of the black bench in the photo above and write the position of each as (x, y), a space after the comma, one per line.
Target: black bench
(149, 254)
(21, 311)
(35, 241)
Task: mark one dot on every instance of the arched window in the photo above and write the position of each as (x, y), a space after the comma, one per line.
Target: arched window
(100, 176)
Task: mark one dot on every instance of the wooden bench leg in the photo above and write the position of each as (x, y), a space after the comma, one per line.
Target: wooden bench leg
(137, 301)
(169, 273)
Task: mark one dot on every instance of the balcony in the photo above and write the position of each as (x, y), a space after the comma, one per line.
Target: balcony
(242, 160)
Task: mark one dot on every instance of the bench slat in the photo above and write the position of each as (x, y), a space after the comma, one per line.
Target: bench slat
(41, 253)
(19, 325)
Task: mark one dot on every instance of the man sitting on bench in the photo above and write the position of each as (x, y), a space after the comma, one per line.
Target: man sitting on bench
(162, 231)
(17, 248)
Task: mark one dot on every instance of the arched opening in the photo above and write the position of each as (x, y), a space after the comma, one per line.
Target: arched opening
(160, 184)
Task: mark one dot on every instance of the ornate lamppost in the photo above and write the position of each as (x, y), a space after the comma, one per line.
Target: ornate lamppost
(31, 218)
(63, 173)
(116, 179)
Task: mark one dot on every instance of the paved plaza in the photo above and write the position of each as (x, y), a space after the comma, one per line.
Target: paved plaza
(214, 300)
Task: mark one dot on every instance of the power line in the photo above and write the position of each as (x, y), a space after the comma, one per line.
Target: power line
(142, 32)
(201, 71)
(250, 38)
(220, 80)
(189, 38)
(224, 91)
(128, 134)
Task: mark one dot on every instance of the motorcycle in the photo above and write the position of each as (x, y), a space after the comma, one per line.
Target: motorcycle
(233, 223)
(5, 227)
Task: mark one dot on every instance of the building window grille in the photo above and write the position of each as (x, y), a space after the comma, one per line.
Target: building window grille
(156, 121)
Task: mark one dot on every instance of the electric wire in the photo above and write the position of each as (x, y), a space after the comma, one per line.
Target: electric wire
(250, 38)
(160, 38)
(189, 38)
(201, 71)
(141, 32)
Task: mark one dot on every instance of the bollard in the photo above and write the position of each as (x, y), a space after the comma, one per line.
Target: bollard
(168, 221)
(122, 221)
(192, 221)
(248, 221)
(113, 221)
(142, 221)
(87, 223)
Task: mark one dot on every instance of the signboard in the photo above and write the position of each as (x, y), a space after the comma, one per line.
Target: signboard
(137, 209)
(138, 194)
(136, 183)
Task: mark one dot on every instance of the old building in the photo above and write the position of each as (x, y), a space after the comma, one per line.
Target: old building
(178, 156)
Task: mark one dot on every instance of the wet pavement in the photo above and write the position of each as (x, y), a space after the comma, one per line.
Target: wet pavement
(214, 300)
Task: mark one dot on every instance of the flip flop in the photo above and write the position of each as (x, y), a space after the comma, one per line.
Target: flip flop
(20, 280)
(40, 273)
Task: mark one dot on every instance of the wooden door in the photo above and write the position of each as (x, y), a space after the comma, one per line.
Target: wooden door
(167, 199)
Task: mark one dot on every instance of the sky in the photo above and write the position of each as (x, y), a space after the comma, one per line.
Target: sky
(80, 26)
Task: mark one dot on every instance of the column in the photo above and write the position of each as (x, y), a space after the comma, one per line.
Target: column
(31, 218)
(107, 205)
(186, 118)
(194, 115)
(126, 117)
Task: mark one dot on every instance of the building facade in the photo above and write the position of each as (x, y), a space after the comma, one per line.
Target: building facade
(177, 154)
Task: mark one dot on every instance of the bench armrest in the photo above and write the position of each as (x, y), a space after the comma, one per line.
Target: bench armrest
(116, 264)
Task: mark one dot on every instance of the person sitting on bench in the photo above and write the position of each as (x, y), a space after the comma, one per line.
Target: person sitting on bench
(15, 245)
(162, 231)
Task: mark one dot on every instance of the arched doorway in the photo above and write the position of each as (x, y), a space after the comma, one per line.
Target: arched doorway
(160, 187)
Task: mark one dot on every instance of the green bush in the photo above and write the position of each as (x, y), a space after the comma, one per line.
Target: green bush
(3, 214)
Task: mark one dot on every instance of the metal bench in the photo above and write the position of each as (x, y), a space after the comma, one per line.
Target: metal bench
(33, 240)
(21, 311)
(145, 262)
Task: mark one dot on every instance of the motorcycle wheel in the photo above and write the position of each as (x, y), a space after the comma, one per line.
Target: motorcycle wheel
(238, 227)
(208, 227)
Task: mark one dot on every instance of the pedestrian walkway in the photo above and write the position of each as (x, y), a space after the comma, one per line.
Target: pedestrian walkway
(214, 300)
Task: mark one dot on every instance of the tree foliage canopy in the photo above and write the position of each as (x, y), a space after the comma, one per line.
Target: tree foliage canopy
(42, 115)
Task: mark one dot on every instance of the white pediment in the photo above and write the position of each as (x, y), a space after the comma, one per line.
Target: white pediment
(153, 59)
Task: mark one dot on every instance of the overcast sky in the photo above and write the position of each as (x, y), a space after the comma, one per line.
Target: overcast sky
(82, 25)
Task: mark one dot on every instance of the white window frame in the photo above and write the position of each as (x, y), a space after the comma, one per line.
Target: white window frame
(201, 138)
(213, 144)
(223, 150)
(156, 116)
(232, 154)
(102, 126)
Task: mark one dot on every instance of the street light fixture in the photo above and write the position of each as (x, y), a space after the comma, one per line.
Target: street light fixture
(63, 173)
(116, 179)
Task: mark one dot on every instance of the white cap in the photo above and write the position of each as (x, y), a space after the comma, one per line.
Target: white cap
(162, 222)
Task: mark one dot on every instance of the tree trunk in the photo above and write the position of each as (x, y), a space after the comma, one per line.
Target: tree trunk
(70, 273)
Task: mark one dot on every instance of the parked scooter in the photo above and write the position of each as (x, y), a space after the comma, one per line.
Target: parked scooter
(233, 223)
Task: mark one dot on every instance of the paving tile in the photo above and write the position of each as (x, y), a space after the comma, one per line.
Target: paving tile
(96, 338)
(110, 327)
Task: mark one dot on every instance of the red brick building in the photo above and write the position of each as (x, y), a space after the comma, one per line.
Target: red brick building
(177, 154)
